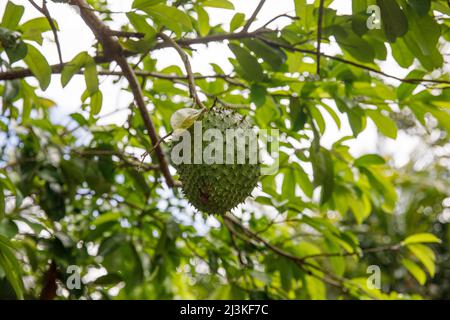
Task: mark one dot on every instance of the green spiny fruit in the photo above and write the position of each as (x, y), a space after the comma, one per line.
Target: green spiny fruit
(214, 187)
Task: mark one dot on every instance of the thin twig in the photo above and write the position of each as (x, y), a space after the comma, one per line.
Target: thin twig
(395, 247)
(253, 16)
(57, 69)
(187, 65)
(307, 267)
(23, 72)
(46, 13)
(283, 15)
(352, 63)
(126, 34)
(128, 159)
(319, 35)
(113, 49)
(156, 145)
(232, 105)
(256, 237)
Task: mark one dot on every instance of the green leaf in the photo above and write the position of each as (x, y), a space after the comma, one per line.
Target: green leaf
(79, 118)
(337, 262)
(142, 45)
(18, 52)
(90, 75)
(401, 53)
(83, 59)
(415, 271)
(393, 19)
(106, 217)
(286, 276)
(423, 39)
(382, 185)
(316, 288)
(275, 57)
(297, 113)
(420, 6)
(237, 21)
(305, 12)
(15, 48)
(141, 4)
(2, 202)
(303, 180)
(249, 65)
(359, 16)
(38, 66)
(140, 23)
(425, 255)
(442, 116)
(360, 206)
(406, 89)
(332, 113)
(13, 14)
(11, 90)
(222, 4)
(73, 67)
(203, 21)
(96, 102)
(10, 266)
(352, 43)
(323, 169)
(267, 113)
(420, 110)
(171, 17)
(369, 160)
(355, 115)
(317, 117)
(385, 124)
(108, 280)
(258, 94)
(288, 186)
(421, 238)
(34, 28)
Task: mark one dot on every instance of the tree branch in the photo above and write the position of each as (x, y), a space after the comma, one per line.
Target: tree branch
(184, 42)
(129, 160)
(228, 105)
(230, 221)
(253, 16)
(319, 35)
(46, 13)
(22, 73)
(229, 218)
(187, 65)
(394, 247)
(112, 48)
(283, 15)
(215, 38)
(57, 69)
(352, 63)
(126, 34)
(307, 267)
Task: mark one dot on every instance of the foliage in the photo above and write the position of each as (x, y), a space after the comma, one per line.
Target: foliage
(78, 194)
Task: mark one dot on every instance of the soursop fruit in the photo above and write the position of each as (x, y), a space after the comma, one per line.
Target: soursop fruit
(212, 186)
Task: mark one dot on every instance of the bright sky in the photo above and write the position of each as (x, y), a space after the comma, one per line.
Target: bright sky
(75, 36)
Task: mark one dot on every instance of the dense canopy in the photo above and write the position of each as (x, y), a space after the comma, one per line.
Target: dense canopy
(80, 196)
